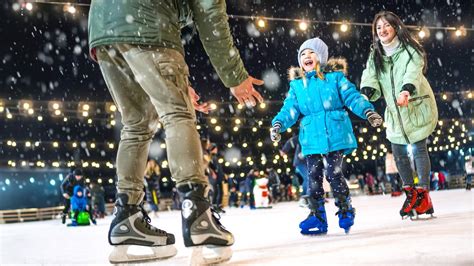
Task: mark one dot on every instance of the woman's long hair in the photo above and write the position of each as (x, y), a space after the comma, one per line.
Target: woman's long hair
(152, 168)
(404, 35)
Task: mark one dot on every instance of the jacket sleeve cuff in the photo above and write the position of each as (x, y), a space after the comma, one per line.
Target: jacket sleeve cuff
(277, 124)
(410, 88)
(367, 91)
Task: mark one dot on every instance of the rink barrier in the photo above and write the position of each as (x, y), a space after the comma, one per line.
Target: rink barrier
(37, 214)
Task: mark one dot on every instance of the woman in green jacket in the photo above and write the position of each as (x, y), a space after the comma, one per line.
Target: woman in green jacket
(395, 70)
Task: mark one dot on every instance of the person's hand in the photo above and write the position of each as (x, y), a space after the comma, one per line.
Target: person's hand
(203, 107)
(402, 99)
(246, 94)
(374, 118)
(275, 133)
(65, 195)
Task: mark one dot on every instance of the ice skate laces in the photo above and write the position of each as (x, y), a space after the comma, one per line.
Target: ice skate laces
(147, 220)
(316, 214)
(410, 195)
(344, 209)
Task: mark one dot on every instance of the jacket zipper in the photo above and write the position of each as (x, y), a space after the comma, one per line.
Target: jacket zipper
(395, 101)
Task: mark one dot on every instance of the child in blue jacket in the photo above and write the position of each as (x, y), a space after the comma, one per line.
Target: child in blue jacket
(79, 204)
(319, 93)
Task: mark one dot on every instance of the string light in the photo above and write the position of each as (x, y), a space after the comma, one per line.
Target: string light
(344, 26)
(303, 25)
(261, 23)
(29, 6)
(424, 33)
(70, 9)
(461, 32)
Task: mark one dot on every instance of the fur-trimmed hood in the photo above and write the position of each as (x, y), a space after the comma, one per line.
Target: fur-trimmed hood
(334, 64)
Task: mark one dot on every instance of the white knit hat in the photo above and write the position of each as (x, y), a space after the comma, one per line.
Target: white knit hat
(318, 46)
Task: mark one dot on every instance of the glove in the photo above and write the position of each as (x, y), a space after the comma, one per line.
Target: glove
(275, 133)
(402, 99)
(374, 118)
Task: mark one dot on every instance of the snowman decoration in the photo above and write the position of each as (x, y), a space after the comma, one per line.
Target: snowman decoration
(260, 192)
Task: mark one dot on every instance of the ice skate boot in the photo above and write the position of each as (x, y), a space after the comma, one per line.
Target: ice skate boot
(409, 204)
(316, 223)
(396, 193)
(131, 227)
(424, 204)
(201, 227)
(73, 223)
(346, 213)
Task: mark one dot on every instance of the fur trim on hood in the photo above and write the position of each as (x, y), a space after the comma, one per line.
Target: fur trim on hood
(334, 64)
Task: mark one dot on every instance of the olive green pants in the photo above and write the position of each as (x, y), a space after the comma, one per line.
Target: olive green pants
(148, 85)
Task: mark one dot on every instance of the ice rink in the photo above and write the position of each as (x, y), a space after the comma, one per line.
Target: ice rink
(271, 236)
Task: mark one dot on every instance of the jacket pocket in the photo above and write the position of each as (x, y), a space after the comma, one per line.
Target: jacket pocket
(304, 131)
(419, 111)
(338, 125)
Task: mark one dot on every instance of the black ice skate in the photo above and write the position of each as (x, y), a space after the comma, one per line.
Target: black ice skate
(201, 227)
(131, 226)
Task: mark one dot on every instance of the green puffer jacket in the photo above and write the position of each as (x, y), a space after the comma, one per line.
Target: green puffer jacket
(159, 23)
(410, 124)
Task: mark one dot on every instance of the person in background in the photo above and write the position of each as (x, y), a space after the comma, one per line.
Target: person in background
(67, 190)
(370, 181)
(380, 178)
(299, 163)
(469, 168)
(98, 198)
(392, 174)
(361, 181)
(274, 183)
(217, 173)
(246, 189)
(441, 180)
(152, 183)
(79, 204)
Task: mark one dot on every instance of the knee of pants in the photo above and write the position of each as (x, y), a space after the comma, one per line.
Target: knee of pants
(144, 127)
(183, 117)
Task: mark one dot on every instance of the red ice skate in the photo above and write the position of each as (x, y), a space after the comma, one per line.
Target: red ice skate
(409, 204)
(423, 204)
(396, 193)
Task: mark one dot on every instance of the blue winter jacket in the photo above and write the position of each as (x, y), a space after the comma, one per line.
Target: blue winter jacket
(325, 125)
(78, 203)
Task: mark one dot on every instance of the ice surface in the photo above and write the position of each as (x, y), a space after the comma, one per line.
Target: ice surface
(269, 237)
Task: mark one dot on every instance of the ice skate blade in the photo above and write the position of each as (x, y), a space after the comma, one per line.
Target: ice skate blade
(418, 218)
(215, 255)
(313, 233)
(120, 254)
